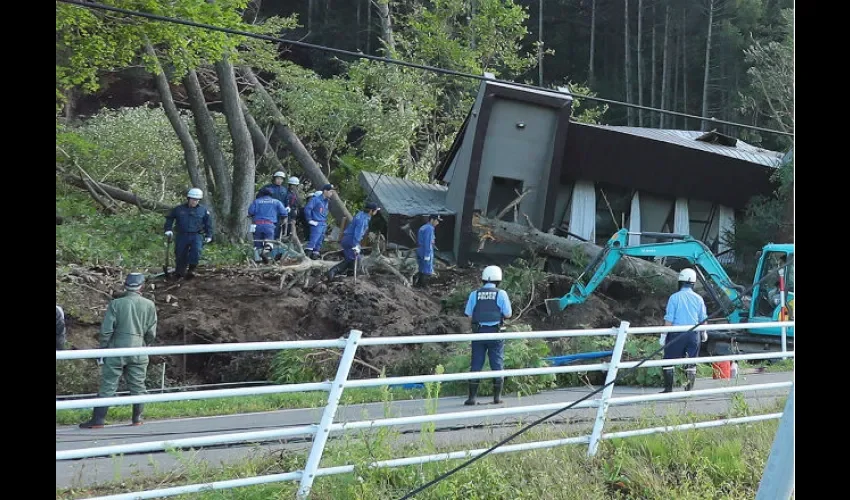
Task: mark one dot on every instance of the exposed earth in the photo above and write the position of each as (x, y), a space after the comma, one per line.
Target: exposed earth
(239, 305)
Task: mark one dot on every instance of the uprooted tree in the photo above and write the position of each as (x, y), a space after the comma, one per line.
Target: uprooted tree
(90, 42)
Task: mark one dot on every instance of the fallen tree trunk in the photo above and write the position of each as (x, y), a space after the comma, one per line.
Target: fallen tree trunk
(118, 194)
(311, 169)
(498, 231)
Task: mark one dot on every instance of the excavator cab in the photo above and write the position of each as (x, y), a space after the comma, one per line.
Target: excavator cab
(773, 288)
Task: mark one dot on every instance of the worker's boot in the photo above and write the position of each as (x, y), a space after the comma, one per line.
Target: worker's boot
(668, 380)
(191, 272)
(473, 392)
(416, 278)
(257, 257)
(97, 419)
(137, 413)
(497, 392)
(692, 375)
(337, 269)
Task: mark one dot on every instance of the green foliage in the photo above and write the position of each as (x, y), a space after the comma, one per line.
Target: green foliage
(134, 149)
(130, 239)
(724, 463)
(582, 111)
(446, 34)
(296, 366)
(90, 42)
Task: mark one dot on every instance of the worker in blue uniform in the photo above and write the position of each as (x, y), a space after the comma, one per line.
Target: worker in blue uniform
(685, 307)
(265, 212)
(351, 238)
(425, 243)
(488, 307)
(193, 226)
(278, 192)
(316, 215)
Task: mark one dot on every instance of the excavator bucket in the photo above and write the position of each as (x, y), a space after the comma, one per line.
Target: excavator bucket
(552, 306)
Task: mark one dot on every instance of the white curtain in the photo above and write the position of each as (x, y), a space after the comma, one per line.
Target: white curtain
(634, 220)
(725, 224)
(583, 210)
(681, 218)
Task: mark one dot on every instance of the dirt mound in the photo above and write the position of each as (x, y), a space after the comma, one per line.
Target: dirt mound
(222, 306)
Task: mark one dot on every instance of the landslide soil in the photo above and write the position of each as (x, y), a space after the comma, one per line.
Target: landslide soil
(230, 305)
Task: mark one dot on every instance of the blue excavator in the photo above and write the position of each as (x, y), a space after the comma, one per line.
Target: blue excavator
(763, 303)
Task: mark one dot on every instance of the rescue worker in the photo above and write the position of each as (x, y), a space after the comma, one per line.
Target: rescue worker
(60, 329)
(192, 221)
(290, 201)
(266, 213)
(685, 307)
(278, 192)
(425, 243)
(129, 321)
(351, 238)
(316, 214)
(488, 307)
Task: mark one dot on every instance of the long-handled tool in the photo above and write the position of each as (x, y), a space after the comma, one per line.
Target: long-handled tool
(356, 258)
(167, 253)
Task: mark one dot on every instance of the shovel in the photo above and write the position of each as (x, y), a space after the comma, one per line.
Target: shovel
(356, 258)
(167, 253)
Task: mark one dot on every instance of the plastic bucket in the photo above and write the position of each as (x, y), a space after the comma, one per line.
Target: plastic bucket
(721, 369)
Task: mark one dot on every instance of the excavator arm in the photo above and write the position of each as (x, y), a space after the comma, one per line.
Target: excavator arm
(694, 251)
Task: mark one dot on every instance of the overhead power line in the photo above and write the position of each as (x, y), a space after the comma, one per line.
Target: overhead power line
(443, 71)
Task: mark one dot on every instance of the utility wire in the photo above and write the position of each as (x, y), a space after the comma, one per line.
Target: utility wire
(542, 419)
(323, 48)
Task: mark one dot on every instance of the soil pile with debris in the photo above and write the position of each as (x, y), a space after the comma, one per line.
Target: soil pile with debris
(233, 305)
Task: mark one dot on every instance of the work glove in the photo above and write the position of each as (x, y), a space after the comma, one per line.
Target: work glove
(208, 239)
(427, 258)
(703, 335)
(99, 361)
(253, 227)
(662, 339)
(169, 234)
(356, 249)
(287, 211)
(313, 223)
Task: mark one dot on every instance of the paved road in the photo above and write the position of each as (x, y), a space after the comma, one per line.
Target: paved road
(468, 431)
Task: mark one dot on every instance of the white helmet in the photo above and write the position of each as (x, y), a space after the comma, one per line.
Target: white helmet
(492, 273)
(195, 193)
(278, 174)
(294, 181)
(688, 275)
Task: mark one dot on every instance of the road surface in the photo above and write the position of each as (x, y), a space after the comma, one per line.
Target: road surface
(461, 434)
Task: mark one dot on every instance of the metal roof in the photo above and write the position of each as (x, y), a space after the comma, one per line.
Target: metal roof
(687, 138)
(404, 197)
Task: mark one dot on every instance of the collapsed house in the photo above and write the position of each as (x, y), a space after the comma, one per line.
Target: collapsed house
(577, 180)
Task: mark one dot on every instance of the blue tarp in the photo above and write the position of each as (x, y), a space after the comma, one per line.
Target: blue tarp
(565, 360)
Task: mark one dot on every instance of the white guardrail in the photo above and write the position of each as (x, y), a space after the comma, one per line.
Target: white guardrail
(326, 425)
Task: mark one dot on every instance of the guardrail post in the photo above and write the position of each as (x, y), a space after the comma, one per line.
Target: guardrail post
(777, 481)
(328, 415)
(602, 409)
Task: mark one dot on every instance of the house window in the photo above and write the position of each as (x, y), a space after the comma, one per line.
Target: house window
(502, 192)
(613, 204)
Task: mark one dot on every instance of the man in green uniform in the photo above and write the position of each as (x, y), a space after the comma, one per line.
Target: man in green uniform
(130, 321)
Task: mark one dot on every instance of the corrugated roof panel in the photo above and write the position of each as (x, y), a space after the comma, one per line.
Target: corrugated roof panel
(404, 197)
(687, 138)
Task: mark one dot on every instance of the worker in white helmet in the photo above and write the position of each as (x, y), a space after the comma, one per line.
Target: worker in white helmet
(488, 307)
(291, 201)
(685, 307)
(194, 227)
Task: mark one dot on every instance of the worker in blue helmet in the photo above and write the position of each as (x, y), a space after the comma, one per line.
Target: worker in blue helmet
(351, 238)
(316, 215)
(425, 243)
(265, 212)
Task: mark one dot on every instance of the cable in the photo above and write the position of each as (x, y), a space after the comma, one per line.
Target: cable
(556, 412)
(360, 55)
